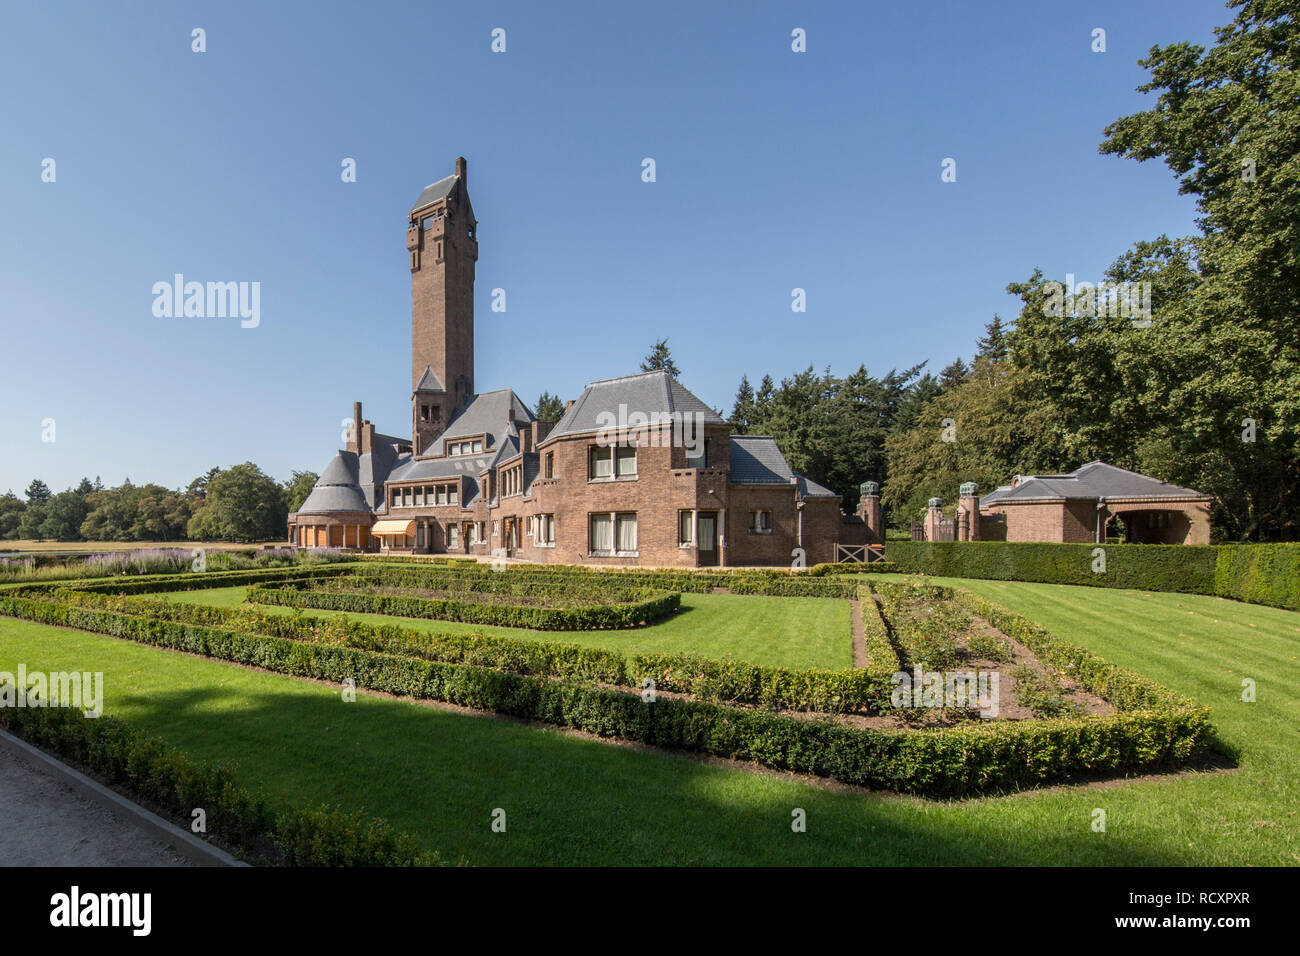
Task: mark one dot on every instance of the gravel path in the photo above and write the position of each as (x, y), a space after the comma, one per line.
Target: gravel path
(43, 822)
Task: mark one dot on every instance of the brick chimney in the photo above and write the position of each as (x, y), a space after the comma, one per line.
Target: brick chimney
(540, 431)
(461, 167)
(355, 444)
(869, 511)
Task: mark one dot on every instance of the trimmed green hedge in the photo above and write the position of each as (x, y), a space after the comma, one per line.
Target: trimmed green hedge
(201, 581)
(781, 583)
(1255, 573)
(1259, 573)
(970, 759)
(646, 607)
(126, 757)
(853, 567)
(709, 679)
(1146, 567)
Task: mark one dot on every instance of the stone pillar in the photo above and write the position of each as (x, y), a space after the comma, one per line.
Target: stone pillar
(869, 511)
(968, 512)
(933, 515)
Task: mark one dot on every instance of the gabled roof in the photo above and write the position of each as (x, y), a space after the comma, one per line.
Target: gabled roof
(492, 413)
(429, 382)
(1094, 480)
(435, 191)
(649, 393)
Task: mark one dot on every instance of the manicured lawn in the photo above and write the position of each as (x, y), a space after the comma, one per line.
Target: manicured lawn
(781, 632)
(573, 800)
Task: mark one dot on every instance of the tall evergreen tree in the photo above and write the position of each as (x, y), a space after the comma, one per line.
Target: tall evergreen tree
(549, 407)
(660, 359)
(744, 411)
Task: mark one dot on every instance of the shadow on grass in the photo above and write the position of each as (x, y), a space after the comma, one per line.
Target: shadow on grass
(569, 799)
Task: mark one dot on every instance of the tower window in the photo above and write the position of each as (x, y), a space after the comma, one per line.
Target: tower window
(424, 413)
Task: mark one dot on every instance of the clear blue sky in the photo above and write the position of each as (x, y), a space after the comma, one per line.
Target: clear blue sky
(775, 170)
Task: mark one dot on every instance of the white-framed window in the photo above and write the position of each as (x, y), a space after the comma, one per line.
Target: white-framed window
(624, 462)
(625, 533)
(397, 498)
(602, 533)
(496, 529)
(613, 533)
(546, 531)
(442, 494)
(760, 522)
(471, 534)
(606, 462)
(453, 494)
(600, 463)
(453, 536)
(481, 537)
(685, 528)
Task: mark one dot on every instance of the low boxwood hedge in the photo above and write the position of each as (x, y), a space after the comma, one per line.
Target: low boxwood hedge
(706, 678)
(781, 583)
(645, 607)
(970, 759)
(144, 765)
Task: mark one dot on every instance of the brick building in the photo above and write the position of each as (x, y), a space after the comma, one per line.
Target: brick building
(637, 471)
(1079, 507)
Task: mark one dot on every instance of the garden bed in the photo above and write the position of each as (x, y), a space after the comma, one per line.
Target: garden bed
(719, 708)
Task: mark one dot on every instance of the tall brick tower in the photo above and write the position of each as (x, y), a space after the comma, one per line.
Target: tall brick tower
(440, 237)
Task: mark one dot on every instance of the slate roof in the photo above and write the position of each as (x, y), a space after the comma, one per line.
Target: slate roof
(650, 393)
(337, 489)
(435, 191)
(756, 460)
(491, 413)
(429, 381)
(810, 489)
(1094, 480)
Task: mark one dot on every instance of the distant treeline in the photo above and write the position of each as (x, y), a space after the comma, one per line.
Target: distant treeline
(236, 504)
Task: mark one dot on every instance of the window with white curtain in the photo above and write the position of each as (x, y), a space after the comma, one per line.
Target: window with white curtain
(624, 462)
(601, 463)
(685, 527)
(625, 532)
(602, 533)
(546, 530)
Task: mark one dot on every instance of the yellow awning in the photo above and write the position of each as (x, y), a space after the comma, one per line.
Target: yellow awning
(393, 526)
